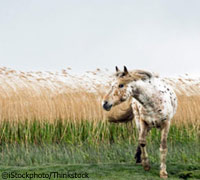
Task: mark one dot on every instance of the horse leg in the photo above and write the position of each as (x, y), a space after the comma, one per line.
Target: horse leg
(163, 150)
(138, 155)
(142, 142)
(138, 150)
(137, 122)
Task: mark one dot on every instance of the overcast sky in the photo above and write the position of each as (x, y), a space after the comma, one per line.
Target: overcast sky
(162, 36)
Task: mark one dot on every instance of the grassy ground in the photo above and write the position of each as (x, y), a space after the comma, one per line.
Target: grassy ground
(31, 155)
(109, 171)
(104, 151)
(106, 161)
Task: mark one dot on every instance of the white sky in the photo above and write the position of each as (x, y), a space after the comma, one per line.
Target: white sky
(162, 36)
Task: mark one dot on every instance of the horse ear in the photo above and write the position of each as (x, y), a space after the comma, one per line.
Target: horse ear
(125, 70)
(117, 69)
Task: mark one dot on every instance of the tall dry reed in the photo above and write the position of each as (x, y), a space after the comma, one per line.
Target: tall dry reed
(29, 96)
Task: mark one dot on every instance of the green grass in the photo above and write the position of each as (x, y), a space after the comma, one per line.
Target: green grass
(111, 171)
(105, 151)
(79, 133)
(106, 161)
(27, 155)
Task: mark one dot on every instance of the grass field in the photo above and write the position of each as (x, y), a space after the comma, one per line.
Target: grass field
(102, 162)
(44, 130)
(111, 171)
(103, 150)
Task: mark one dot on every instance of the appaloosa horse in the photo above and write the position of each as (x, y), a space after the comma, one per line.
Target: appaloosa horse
(154, 103)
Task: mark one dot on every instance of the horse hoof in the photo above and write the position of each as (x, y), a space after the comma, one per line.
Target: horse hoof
(146, 166)
(163, 175)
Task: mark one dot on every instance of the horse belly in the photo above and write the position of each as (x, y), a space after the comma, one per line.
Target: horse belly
(155, 120)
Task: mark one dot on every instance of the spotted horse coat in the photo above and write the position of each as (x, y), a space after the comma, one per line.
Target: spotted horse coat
(153, 105)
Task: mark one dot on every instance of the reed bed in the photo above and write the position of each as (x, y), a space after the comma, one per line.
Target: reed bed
(44, 109)
(78, 106)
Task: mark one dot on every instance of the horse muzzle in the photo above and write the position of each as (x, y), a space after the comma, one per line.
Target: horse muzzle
(106, 105)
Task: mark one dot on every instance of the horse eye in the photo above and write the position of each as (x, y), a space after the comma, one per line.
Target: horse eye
(121, 86)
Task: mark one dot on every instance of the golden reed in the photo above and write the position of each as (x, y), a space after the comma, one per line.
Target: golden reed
(28, 100)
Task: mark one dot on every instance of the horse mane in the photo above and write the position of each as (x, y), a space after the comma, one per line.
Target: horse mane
(143, 73)
(135, 75)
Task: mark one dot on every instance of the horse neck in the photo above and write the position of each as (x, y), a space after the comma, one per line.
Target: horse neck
(141, 92)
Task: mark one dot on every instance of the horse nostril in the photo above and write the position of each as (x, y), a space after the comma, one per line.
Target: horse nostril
(105, 102)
